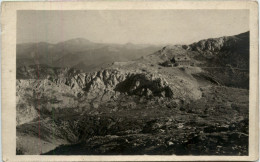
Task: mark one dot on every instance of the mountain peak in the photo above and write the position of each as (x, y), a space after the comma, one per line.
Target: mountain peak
(77, 41)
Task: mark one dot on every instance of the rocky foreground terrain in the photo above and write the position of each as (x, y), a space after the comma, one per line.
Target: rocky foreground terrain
(140, 107)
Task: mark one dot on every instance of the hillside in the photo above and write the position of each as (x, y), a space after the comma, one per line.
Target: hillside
(226, 59)
(229, 56)
(143, 106)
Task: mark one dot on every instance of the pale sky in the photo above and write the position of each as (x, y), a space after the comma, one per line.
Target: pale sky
(134, 26)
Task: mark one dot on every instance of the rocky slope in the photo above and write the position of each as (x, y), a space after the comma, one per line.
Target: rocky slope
(61, 90)
(232, 50)
(140, 106)
(230, 55)
(226, 59)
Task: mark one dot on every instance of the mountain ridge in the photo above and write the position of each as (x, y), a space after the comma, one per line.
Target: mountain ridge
(50, 54)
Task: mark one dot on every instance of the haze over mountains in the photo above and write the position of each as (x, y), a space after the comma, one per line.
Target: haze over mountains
(134, 105)
(80, 53)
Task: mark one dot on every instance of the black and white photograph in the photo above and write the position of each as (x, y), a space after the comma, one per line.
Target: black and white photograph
(132, 82)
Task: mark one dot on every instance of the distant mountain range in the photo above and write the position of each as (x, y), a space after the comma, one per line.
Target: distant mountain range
(79, 53)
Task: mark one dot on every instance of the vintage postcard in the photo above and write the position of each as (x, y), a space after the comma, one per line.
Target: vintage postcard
(130, 81)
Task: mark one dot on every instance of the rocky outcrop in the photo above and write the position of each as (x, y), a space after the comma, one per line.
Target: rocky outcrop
(67, 92)
(210, 46)
(100, 82)
(145, 85)
(216, 45)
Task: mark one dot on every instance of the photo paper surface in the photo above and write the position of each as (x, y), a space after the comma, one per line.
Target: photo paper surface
(139, 81)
